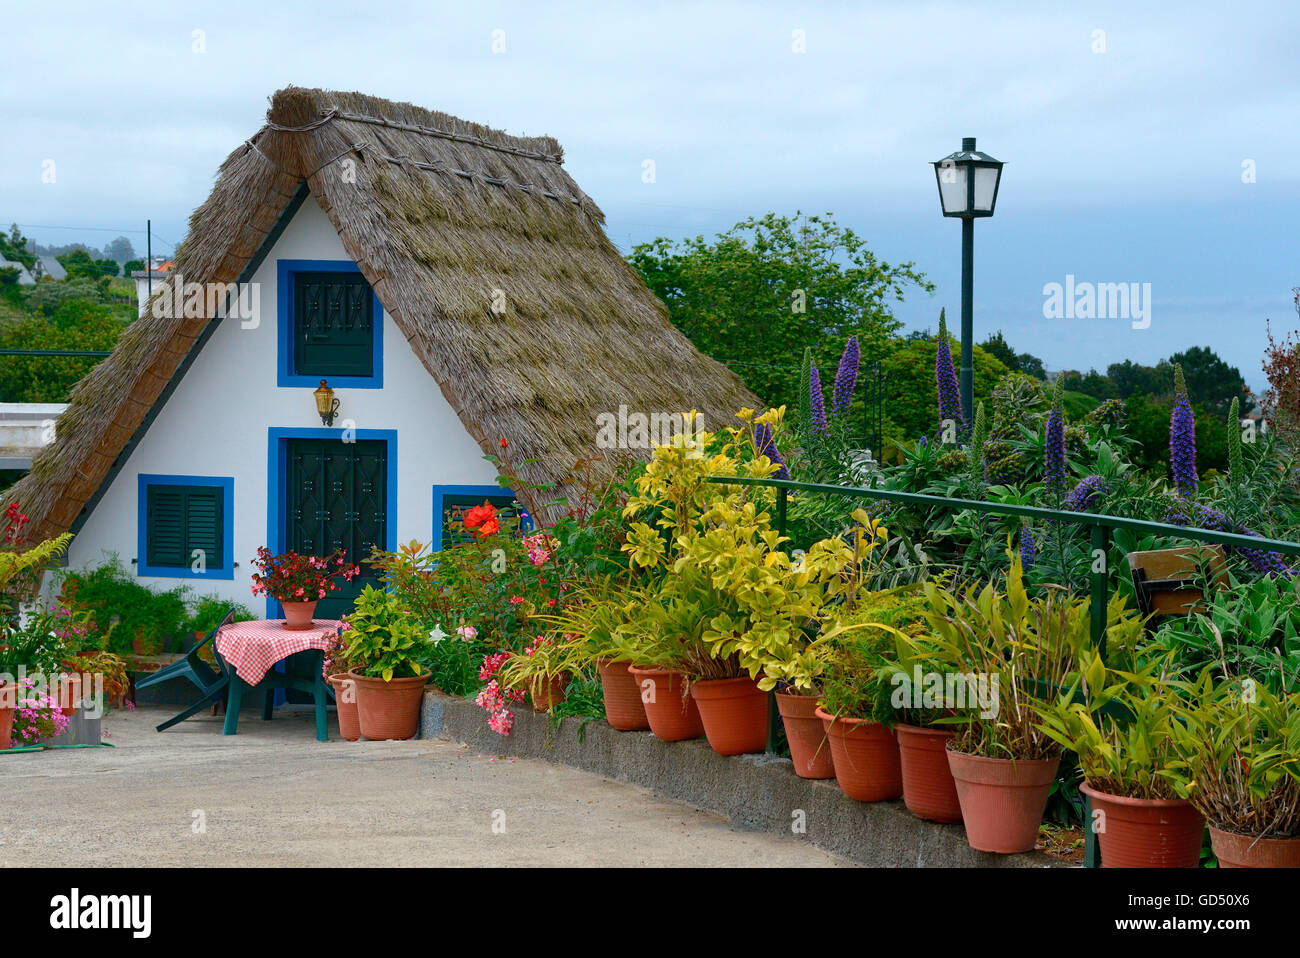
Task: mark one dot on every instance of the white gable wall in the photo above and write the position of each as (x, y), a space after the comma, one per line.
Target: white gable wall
(216, 424)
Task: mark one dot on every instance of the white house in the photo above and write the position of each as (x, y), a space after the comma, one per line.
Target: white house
(453, 286)
(49, 266)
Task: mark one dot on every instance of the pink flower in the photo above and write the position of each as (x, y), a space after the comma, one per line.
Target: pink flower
(516, 599)
(501, 721)
(467, 632)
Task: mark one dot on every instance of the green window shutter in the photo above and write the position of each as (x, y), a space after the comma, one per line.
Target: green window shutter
(166, 526)
(204, 525)
(333, 325)
(181, 519)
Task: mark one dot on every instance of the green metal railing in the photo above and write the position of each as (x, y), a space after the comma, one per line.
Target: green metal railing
(1099, 526)
(1100, 529)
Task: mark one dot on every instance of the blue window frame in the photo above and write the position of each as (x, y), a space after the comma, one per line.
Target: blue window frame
(447, 498)
(289, 272)
(188, 512)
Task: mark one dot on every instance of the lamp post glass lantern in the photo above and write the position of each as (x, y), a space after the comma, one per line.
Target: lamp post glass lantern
(968, 188)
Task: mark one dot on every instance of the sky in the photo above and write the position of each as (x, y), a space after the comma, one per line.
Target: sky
(1142, 146)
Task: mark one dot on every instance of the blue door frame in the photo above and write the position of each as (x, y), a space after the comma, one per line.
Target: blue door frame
(277, 486)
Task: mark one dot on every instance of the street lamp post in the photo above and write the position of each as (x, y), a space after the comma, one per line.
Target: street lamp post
(968, 188)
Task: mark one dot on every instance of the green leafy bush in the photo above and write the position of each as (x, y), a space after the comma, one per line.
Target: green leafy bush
(385, 640)
(125, 613)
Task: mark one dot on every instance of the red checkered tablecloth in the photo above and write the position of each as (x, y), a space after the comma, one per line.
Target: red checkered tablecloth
(252, 648)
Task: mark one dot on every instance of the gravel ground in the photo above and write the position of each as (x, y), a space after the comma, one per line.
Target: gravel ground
(273, 795)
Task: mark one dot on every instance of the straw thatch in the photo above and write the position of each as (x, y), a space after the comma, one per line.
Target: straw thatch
(440, 215)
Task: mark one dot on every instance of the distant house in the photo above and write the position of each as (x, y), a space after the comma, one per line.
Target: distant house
(25, 428)
(455, 287)
(146, 281)
(48, 266)
(24, 277)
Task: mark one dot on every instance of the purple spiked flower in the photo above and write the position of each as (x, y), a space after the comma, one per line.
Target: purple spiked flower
(846, 378)
(1183, 513)
(1087, 495)
(765, 445)
(945, 376)
(1028, 548)
(817, 401)
(1182, 441)
(1054, 464)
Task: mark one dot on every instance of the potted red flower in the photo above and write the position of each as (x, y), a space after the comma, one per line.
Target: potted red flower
(298, 582)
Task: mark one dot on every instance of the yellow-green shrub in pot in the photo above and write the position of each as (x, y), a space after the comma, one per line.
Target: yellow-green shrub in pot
(683, 530)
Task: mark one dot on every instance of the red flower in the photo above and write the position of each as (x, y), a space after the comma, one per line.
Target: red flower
(504, 444)
(484, 516)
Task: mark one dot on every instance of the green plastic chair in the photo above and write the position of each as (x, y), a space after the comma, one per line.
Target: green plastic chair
(212, 683)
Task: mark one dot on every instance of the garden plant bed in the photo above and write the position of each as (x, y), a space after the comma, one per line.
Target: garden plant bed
(755, 792)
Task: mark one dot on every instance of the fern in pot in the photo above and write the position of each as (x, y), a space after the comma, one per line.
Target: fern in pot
(1237, 743)
(998, 658)
(1122, 726)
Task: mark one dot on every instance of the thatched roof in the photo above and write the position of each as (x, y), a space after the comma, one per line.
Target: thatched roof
(440, 214)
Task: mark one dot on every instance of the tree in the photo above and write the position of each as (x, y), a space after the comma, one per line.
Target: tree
(759, 294)
(132, 266)
(14, 247)
(1211, 382)
(1282, 366)
(107, 267)
(1092, 384)
(119, 250)
(79, 264)
(1132, 379)
(996, 345)
(74, 325)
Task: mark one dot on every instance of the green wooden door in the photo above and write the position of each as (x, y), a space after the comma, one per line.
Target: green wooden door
(337, 499)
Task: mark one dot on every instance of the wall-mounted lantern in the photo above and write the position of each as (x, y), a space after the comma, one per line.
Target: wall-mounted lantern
(327, 403)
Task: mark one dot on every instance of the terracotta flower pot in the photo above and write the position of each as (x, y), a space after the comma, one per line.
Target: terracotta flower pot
(345, 697)
(928, 789)
(1146, 832)
(1002, 800)
(389, 709)
(809, 749)
(670, 711)
(297, 616)
(546, 694)
(623, 708)
(1245, 851)
(734, 713)
(866, 758)
(8, 705)
(142, 644)
(67, 691)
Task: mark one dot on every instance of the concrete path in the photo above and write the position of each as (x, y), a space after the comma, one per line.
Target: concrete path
(273, 795)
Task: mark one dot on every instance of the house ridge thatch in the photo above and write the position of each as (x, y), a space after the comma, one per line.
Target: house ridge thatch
(443, 217)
